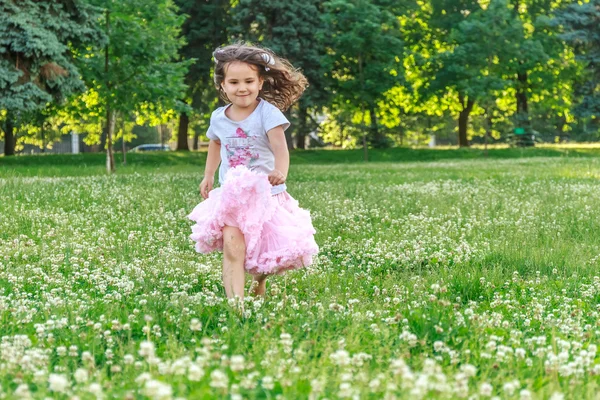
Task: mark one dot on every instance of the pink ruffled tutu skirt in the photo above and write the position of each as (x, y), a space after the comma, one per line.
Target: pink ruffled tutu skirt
(279, 235)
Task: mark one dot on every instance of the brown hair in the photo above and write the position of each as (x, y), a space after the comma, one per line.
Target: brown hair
(283, 84)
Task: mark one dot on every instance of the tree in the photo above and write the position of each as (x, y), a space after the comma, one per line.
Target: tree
(293, 30)
(138, 73)
(37, 43)
(363, 58)
(580, 29)
(204, 29)
(470, 63)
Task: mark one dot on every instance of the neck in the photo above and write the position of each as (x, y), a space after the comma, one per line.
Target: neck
(241, 112)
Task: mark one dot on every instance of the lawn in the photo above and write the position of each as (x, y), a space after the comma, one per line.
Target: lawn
(442, 274)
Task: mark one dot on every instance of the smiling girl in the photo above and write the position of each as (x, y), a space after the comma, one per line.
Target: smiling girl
(251, 217)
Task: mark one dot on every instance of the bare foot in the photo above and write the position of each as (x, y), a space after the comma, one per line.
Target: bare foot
(259, 286)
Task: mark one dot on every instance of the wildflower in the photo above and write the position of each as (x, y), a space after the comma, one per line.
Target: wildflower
(58, 383)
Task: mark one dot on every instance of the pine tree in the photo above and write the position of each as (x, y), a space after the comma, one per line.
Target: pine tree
(580, 23)
(37, 42)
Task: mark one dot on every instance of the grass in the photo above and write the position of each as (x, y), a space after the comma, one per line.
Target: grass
(442, 274)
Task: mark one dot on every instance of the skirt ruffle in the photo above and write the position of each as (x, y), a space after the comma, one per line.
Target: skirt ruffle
(279, 235)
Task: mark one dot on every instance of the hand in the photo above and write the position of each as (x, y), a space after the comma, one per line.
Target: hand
(206, 186)
(276, 177)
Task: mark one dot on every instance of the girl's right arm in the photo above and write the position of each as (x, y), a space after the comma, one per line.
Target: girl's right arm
(212, 163)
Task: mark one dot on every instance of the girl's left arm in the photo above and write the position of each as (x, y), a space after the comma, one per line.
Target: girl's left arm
(282, 156)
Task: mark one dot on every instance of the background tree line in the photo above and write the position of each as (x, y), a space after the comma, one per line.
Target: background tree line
(381, 72)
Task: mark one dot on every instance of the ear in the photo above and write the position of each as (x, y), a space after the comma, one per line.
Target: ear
(261, 82)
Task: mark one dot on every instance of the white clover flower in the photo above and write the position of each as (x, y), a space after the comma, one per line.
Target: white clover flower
(218, 379)
(509, 388)
(61, 351)
(143, 378)
(237, 363)
(58, 383)
(95, 389)
(374, 385)
(146, 349)
(525, 394)
(22, 391)
(267, 382)
(81, 375)
(195, 373)
(485, 389)
(316, 386)
(469, 370)
(341, 358)
(158, 390)
(128, 359)
(195, 325)
(345, 390)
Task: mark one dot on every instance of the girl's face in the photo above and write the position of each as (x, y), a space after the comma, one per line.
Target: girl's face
(242, 83)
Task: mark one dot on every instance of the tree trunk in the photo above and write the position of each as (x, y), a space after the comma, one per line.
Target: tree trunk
(43, 137)
(288, 133)
(364, 136)
(463, 120)
(103, 139)
(401, 130)
(9, 136)
(375, 133)
(124, 148)
(182, 132)
(521, 97)
(488, 130)
(301, 131)
(196, 138)
(110, 128)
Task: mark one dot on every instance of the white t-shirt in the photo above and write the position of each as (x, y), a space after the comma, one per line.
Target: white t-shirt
(246, 142)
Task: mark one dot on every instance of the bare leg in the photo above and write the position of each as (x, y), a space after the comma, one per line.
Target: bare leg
(259, 285)
(234, 255)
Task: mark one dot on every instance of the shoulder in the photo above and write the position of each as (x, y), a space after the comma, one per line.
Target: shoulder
(270, 111)
(217, 113)
(268, 107)
(273, 117)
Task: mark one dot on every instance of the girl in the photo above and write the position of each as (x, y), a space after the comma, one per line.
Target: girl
(251, 217)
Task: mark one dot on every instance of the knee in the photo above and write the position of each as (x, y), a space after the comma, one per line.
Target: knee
(234, 246)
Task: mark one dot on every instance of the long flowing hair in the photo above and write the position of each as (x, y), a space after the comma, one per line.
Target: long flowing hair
(283, 84)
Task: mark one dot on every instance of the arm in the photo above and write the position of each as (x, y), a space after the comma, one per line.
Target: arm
(282, 156)
(213, 160)
(214, 157)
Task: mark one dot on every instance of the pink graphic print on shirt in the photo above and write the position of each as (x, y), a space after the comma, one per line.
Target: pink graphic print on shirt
(240, 149)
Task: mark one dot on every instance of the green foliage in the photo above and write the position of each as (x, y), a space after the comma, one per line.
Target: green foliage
(145, 78)
(362, 57)
(580, 28)
(294, 30)
(205, 28)
(37, 42)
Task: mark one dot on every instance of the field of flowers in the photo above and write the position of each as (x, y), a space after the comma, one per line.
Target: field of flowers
(447, 279)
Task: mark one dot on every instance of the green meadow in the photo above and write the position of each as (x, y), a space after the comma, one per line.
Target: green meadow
(442, 274)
